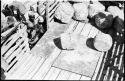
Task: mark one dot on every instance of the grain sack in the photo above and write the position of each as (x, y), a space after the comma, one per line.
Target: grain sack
(81, 11)
(95, 8)
(64, 12)
(103, 42)
(115, 11)
(103, 20)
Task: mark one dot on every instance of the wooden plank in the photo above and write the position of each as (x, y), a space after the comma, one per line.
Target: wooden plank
(46, 65)
(98, 66)
(12, 39)
(79, 28)
(29, 71)
(51, 2)
(17, 58)
(55, 3)
(86, 29)
(27, 66)
(52, 74)
(16, 52)
(7, 32)
(74, 76)
(64, 75)
(12, 71)
(10, 52)
(22, 65)
(36, 69)
(51, 12)
(18, 72)
(24, 57)
(85, 78)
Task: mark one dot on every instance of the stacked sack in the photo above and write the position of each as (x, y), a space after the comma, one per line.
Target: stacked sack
(81, 11)
(64, 12)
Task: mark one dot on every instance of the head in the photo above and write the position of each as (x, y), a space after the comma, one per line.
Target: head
(31, 16)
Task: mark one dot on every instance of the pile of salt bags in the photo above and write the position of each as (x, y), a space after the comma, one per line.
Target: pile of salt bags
(64, 12)
(81, 11)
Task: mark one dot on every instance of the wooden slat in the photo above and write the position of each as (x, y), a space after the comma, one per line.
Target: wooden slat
(27, 67)
(10, 73)
(19, 63)
(50, 8)
(16, 52)
(12, 39)
(85, 78)
(17, 58)
(86, 29)
(98, 66)
(46, 65)
(51, 2)
(64, 75)
(22, 65)
(51, 15)
(51, 12)
(52, 74)
(79, 28)
(7, 32)
(74, 76)
(36, 69)
(9, 53)
(17, 73)
(29, 71)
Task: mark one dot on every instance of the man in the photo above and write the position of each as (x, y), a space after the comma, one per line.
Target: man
(34, 26)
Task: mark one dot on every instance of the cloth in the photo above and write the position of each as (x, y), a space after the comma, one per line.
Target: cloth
(103, 20)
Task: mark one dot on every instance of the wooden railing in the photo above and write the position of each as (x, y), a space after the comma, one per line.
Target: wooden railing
(14, 46)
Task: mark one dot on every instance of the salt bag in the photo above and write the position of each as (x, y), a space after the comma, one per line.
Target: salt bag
(64, 12)
(115, 11)
(81, 11)
(103, 42)
(94, 8)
